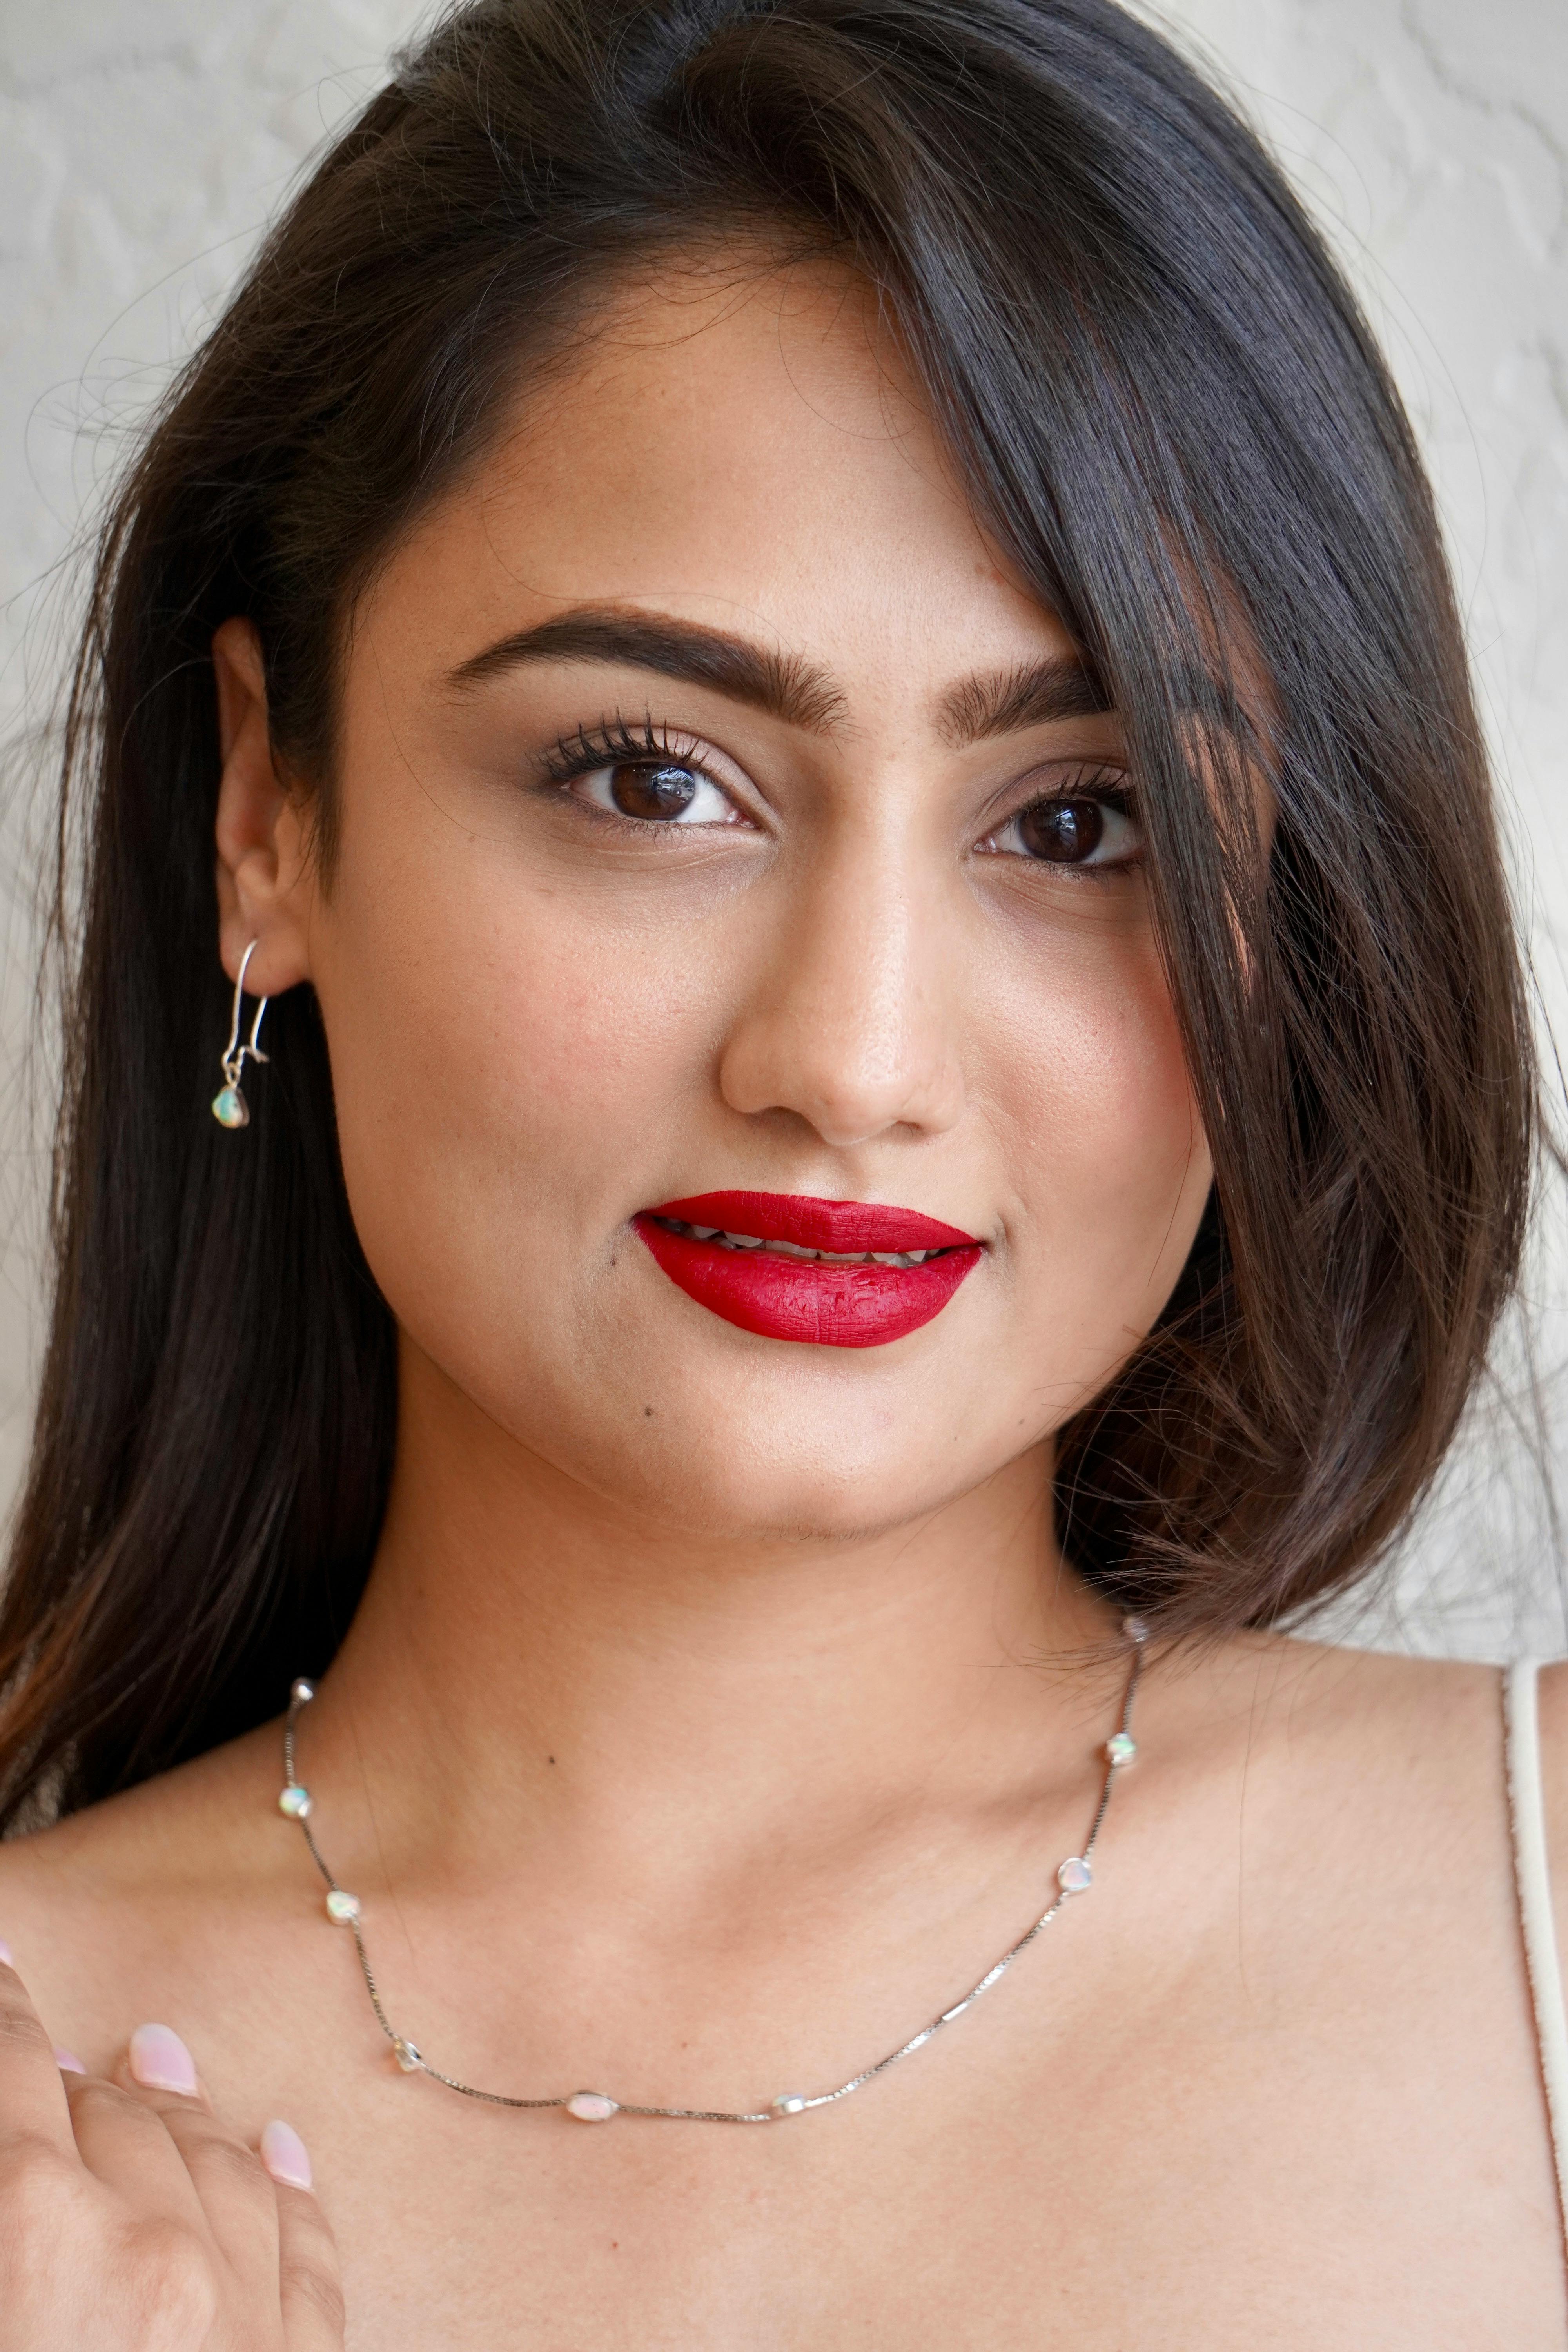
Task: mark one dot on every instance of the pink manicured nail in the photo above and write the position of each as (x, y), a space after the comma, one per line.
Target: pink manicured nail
(7, 1955)
(161, 2061)
(68, 2062)
(283, 2154)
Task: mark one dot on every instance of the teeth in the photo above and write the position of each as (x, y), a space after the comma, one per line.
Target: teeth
(906, 1258)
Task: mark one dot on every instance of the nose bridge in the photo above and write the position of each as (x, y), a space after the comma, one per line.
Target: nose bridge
(850, 1025)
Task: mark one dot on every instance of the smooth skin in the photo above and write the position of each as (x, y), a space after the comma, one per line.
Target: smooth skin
(132, 2217)
(718, 1708)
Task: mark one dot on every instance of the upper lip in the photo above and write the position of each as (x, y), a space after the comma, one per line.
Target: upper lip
(844, 1227)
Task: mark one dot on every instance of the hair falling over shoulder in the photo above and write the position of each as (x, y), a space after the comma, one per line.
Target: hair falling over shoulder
(1170, 414)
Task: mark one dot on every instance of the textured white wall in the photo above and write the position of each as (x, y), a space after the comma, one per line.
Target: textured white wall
(142, 142)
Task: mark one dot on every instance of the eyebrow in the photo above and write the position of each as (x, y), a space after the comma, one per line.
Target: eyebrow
(1032, 694)
(786, 686)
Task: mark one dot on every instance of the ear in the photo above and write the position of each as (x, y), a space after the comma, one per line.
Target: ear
(266, 879)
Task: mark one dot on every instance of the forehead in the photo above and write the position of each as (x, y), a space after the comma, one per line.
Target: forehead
(741, 446)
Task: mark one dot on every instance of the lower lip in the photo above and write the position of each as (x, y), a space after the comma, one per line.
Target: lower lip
(802, 1299)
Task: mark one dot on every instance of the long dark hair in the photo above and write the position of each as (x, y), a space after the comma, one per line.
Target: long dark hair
(1170, 415)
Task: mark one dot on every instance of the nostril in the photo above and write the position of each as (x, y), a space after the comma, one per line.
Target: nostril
(849, 1070)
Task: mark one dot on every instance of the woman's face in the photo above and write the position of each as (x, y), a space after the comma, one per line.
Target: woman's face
(720, 816)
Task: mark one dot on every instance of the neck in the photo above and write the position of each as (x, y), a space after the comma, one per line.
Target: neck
(530, 1649)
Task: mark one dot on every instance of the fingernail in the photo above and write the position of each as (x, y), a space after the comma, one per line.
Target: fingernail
(161, 2061)
(68, 2062)
(283, 2153)
(7, 1956)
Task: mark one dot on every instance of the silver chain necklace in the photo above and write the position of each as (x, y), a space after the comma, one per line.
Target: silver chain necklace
(1074, 1876)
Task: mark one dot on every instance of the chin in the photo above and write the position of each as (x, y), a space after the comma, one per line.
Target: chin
(791, 1471)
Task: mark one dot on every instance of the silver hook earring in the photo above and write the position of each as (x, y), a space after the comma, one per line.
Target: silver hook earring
(229, 1106)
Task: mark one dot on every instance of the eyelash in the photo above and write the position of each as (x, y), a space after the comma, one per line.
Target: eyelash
(613, 741)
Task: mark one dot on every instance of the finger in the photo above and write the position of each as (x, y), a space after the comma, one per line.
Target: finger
(285, 2155)
(123, 2142)
(32, 2101)
(235, 2188)
(157, 2060)
(309, 2281)
(120, 2129)
(231, 2184)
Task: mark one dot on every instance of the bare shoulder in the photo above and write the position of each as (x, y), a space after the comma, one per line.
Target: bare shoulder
(1329, 1751)
(95, 1904)
(1430, 1723)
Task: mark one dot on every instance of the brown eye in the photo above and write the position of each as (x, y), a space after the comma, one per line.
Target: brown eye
(669, 793)
(1064, 832)
(654, 792)
(1091, 832)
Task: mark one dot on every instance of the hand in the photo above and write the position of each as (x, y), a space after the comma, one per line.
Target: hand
(132, 2220)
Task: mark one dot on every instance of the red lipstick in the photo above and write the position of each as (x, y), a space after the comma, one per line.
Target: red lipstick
(747, 1256)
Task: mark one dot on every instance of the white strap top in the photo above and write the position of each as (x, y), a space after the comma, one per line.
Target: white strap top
(1527, 1813)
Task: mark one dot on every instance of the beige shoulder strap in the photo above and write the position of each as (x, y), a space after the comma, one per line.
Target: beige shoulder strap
(1532, 1874)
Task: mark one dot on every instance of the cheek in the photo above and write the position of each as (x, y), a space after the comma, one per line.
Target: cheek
(1111, 1163)
(505, 1059)
(1133, 1129)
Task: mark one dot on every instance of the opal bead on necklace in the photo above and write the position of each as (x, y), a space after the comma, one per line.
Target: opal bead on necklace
(1074, 1876)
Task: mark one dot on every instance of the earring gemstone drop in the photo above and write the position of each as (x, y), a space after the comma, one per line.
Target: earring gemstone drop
(230, 1108)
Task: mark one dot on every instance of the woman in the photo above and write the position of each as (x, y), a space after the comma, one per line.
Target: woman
(894, 1114)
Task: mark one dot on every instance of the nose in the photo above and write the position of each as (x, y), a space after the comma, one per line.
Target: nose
(851, 1025)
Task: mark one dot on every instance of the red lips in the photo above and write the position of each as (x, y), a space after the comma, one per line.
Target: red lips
(784, 1297)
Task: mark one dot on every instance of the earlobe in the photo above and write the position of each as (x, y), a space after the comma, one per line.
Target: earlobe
(264, 882)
